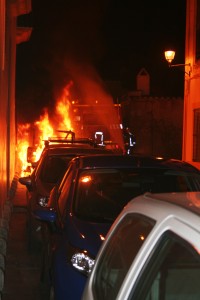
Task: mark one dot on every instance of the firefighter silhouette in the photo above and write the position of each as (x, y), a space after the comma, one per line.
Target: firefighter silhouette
(129, 140)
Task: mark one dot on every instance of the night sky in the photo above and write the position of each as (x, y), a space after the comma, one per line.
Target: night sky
(103, 39)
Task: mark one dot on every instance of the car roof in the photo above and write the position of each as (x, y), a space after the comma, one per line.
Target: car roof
(182, 205)
(138, 161)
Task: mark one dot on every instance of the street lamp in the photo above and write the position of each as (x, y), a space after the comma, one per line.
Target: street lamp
(169, 56)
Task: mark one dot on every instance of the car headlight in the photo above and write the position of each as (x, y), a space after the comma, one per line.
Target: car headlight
(82, 262)
(43, 201)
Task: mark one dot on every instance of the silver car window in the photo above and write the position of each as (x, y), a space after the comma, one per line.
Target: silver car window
(172, 272)
(123, 246)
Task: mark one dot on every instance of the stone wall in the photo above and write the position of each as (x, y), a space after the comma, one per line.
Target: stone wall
(157, 123)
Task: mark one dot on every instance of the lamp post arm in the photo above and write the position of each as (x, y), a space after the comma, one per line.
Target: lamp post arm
(181, 65)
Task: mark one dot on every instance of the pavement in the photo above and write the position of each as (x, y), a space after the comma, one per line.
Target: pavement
(19, 269)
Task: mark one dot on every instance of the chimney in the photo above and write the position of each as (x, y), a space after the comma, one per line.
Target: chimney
(143, 82)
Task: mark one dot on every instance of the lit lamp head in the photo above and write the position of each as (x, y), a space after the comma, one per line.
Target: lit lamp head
(169, 56)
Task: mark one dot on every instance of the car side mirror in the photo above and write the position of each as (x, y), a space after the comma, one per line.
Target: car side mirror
(25, 180)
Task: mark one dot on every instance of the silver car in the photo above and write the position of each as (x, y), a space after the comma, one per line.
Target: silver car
(152, 251)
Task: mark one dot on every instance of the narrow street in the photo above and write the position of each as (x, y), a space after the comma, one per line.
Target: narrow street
(22, 269)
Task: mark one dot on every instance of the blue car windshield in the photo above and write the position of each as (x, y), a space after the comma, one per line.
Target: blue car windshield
(54, 167)
(102, 193)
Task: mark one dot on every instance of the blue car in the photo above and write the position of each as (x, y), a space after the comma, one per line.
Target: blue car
(82, 208)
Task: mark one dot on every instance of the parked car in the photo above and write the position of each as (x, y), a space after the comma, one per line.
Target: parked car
(82, 208)
(48, 171)
(152, 251)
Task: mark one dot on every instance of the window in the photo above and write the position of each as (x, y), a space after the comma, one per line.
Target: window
(102, 194)
(172, 272)
(65, 194)
(126, 241)
(53, 168)
(196, 135)
(98, 195)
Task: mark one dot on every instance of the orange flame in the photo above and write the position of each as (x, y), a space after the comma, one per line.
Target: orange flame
(43, 130)
(62, 109)
(22, 150)
(44, 126)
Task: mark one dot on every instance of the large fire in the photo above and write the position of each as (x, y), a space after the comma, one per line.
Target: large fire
(42, 129)
(31, 137)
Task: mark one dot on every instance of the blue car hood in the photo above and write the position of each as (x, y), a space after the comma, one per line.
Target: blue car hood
(86, 235)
